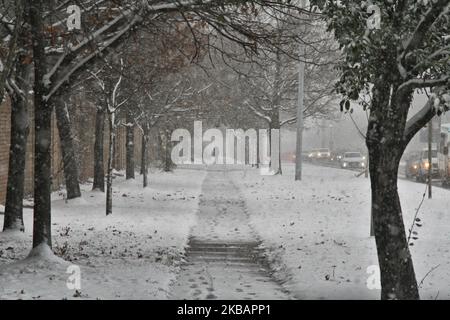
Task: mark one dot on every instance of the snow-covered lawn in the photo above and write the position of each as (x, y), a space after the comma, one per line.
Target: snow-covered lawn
(318, 231)
(132, 254)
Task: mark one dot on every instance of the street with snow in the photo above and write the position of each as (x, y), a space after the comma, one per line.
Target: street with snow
(226, 232)
(218, 150)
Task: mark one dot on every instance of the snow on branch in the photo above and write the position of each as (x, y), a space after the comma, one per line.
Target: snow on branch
(84, 60)
(419, 120)
(258, 112)
(423, 83)
(288, 121)
(438, 7)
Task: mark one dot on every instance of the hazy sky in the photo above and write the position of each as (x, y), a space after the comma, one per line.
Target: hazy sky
(344, 134)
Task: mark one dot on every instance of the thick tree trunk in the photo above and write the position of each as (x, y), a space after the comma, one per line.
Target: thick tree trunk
(109, 177)
(398, 280)
(386, 143)
(67, 148)
(13, 219)
(42, 114)
(130, 148)
(99, 168)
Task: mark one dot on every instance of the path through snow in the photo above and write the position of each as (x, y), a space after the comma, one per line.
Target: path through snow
(224, 260)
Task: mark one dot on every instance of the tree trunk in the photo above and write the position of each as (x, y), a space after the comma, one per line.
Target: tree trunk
(143, 155)
(386, 143)
(144, 168)
(42, 142)
(160, 151)
(13, 219)
(257, 149)
(130, 148)
(275, 124)
(68, 148)
(112, 140)
(398, 280)
(99, 168)
(167, 160)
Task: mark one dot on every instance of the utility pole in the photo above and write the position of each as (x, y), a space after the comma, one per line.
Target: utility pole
(430, 157)
(300, 107)
(331, 141)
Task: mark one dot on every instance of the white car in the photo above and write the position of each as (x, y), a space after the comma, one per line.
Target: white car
(324, 153)
(353, 160)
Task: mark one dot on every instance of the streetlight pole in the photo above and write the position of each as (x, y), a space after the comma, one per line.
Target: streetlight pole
(300, 107)
(430, 157)
(331, 142)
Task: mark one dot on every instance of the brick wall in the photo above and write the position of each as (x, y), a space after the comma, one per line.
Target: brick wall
(5, 112)
(83, 126)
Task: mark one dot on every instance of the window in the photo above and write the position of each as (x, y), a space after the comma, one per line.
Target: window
(353, 155)
(433, 154)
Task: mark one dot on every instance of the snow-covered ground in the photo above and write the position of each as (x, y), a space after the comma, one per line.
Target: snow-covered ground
(132, 254)
(317, 231)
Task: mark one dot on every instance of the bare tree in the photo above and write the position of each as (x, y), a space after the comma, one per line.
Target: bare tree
(60, 56)
(16, 78)
(114, 99)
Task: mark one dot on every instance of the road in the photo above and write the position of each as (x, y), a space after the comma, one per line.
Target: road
(436, 183)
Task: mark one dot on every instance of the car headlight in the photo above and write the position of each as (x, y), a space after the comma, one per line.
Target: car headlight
(344, 164)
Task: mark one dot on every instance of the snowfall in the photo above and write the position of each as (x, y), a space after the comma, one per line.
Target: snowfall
(315, 233)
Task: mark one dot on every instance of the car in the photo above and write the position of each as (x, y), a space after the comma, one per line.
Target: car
(313, 154)
(334, 156)
(410, 162)
(353, 160)
(412, 168)
(305, 155)
(323, 154)
(424, 166)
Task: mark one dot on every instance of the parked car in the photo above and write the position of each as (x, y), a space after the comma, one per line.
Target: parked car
(353, 160)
